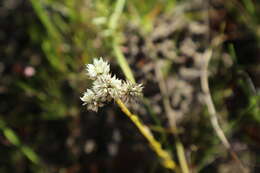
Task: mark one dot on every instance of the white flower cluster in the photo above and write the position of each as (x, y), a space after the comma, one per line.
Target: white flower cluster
(107, 87)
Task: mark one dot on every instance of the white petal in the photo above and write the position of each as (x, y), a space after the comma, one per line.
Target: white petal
(99, 67)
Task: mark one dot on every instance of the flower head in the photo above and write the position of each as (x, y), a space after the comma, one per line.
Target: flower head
(91, 100)
(107, 87)
(99, 67)
(131, 91)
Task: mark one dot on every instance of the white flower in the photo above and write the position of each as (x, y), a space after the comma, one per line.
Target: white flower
(131, 91)
(107, 87)
(91, 100)
(99, 67)
(88, 96)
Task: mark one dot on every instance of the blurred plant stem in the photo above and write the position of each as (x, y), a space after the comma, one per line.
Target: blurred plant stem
(14, 140)
(46, 21)
(112, 25)
(122, 61)
(172, 120)
(145, 131)
(212, 110)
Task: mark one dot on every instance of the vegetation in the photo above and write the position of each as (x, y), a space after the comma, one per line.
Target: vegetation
(198, 62)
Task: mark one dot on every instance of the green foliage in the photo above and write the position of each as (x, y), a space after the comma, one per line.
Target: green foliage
(12, 137)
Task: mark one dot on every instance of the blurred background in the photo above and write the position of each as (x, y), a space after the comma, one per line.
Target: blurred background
(45, 44)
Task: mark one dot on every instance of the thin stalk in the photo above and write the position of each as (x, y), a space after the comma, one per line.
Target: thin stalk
(120, 4)
(122, 61)
(181, 155)
(145, 131)
(112, 26)
(212, 110)
(46, 21)
(172, 121)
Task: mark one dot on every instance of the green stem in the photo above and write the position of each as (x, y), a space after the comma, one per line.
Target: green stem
(181, 156)
(122, 62)
(145, 131)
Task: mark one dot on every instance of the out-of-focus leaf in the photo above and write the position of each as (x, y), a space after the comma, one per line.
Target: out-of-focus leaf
(30, 154)
(11, 136)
